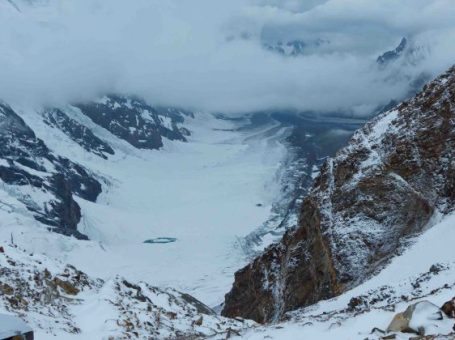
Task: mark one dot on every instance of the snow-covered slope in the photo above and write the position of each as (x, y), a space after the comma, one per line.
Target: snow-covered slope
(426, 271)
(203, 192)
(58, 300)
(42, 181)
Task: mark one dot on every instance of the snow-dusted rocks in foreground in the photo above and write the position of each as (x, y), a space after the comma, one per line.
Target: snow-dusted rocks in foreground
(424, 272)
(59, 300)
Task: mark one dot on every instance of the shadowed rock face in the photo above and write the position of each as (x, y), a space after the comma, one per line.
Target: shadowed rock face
(136, 122)
(368, 201)
(44, 182)
(393, 55)
(81, 134)
(47, 183)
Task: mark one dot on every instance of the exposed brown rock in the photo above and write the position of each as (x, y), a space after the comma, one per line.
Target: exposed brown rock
(367, 202)
(449, 308)
(199, 321)
(400, 322)
(66, 286)
(416, 318)
(6, 289)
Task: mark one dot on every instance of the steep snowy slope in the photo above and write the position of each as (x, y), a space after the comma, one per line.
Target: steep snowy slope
(312, 138)
(133, 120)
(383, 188)
(426, 271)
(43, 181)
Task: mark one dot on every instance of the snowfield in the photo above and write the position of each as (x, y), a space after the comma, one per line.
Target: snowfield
(204, 193)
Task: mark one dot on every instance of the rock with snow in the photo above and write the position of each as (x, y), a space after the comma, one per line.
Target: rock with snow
(49, 183)
(449, 308)
(368, 201)
(12, 327)
(422, 318)
(81, 134)
(136, 122)
(44, 182)
(366, 311)
(57, 299)
(390, 56)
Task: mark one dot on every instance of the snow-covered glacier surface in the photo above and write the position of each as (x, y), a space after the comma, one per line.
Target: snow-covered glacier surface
(205, 193)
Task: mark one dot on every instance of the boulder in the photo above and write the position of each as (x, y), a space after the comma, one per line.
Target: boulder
(421, 318)
(449, 308)
(400, 323)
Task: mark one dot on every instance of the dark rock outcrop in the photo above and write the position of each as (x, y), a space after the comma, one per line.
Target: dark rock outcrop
(48, 181)
(136, 122)
(366, 204)
(449, 308)
(394, 54)
(81, 134)
(295, 47)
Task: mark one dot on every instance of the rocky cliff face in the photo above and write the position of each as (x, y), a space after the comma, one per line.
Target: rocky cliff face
(46, 182)
(366, 204)
(132, 120)
(43, 181)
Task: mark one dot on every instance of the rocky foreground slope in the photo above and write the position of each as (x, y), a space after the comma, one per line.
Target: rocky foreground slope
(386, 305)
(56, 299)
(397, 172)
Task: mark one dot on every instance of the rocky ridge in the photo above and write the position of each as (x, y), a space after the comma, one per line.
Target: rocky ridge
(309, 140)
(47, 183)
(136, 122)
(43, 181)
(396, 173)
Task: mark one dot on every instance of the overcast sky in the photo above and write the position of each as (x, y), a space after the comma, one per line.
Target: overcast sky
(212, 54)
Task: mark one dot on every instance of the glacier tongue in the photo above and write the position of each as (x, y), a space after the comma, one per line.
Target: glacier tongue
(203, 193)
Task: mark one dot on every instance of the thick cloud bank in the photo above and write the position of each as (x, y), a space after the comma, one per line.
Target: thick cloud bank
(222, 55)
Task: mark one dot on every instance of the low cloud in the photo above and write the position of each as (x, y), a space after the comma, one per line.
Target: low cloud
(215, 55)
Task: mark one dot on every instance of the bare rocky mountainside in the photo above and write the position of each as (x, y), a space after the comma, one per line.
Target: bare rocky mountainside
(395, 175)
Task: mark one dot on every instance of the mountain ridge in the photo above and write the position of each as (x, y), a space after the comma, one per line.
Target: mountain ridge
(47, 182)
(381, 189)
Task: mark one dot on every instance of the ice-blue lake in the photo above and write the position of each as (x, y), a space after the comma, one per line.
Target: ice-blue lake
(161, 240)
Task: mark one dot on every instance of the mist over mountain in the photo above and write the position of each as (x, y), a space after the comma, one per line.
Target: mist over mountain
(220, 55)
(227, 169)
